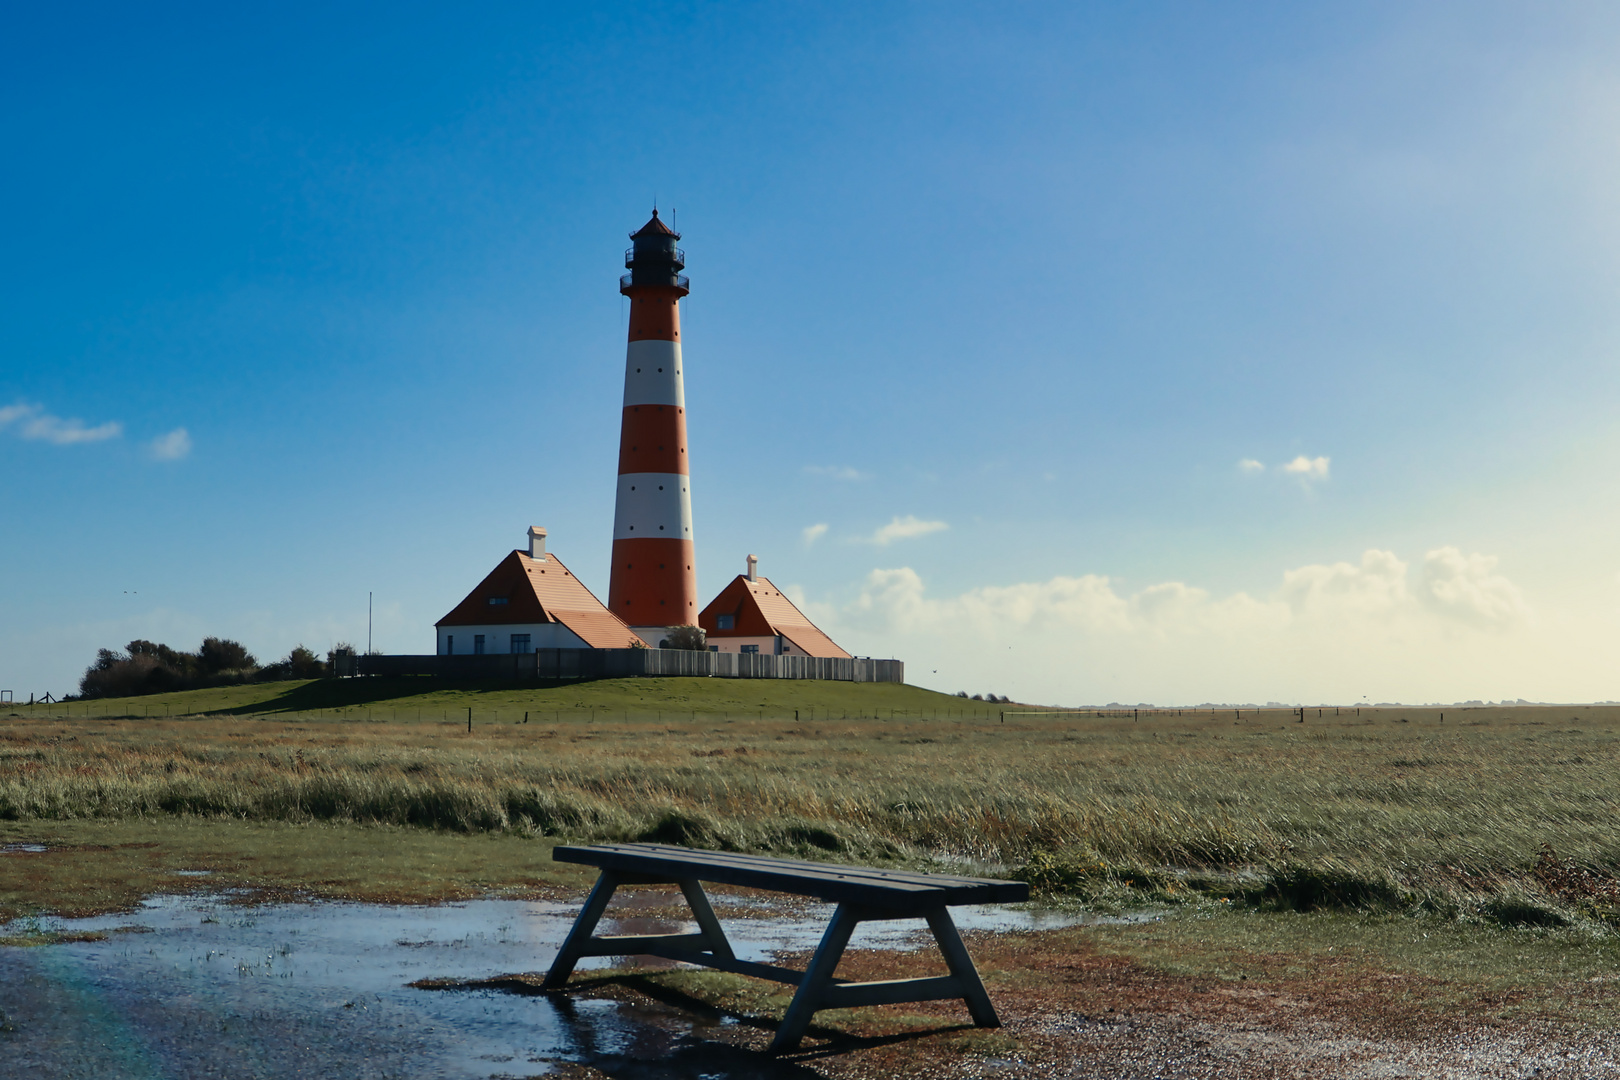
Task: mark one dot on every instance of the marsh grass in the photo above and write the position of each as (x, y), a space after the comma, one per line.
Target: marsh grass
(1506, 817)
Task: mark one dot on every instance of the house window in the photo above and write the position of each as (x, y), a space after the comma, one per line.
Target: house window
(520, 643)
(449, 644)
(726, 622)
(714, 648)
(750, 649)
(497, 600)
(478, 644)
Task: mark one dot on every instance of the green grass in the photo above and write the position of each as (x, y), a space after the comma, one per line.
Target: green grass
(421, 698)
(95, 865)
(1500, 817)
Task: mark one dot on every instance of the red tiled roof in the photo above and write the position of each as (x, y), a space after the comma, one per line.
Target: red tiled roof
(762, 611)
(539, 592)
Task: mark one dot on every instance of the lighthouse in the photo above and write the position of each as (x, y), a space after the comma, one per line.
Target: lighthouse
(653, 583)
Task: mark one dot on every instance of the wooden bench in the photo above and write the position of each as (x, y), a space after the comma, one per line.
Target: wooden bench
(860, 894)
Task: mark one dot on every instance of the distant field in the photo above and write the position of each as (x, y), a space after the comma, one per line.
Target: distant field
(1505, 816)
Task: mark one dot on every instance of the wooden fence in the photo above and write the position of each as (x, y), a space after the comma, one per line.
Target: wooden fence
(580, 664)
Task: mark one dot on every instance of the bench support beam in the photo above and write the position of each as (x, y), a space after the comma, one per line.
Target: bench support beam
(817, 978)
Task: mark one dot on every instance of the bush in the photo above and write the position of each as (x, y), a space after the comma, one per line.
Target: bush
(147, 667)
(1327, 888)
(300, 663)
(222, 654)
(689, 638)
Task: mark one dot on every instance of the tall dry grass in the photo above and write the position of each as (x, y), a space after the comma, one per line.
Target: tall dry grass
(1502, 808)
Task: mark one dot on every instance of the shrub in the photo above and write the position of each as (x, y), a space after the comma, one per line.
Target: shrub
(300, 663)
(147, 667)
(1313, 888)
(689, 638)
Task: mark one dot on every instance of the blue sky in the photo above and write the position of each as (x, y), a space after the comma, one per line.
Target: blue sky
(1151, 352)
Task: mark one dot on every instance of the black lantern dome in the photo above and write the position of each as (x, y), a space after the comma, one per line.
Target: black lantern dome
(654, 260)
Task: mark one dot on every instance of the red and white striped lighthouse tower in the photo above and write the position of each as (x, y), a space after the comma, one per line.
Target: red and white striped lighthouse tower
(653, 583)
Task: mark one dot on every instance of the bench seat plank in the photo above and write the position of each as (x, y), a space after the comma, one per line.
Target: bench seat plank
(825, 881)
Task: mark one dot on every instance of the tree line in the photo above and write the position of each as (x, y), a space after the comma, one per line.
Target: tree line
(146, 667)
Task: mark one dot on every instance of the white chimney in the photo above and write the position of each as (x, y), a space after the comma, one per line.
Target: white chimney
(753, 568)
(537, 543)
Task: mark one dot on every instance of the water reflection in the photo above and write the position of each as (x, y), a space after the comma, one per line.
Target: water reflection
(198, 986)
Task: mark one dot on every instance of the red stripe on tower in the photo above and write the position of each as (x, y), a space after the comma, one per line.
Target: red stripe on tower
(653, 583)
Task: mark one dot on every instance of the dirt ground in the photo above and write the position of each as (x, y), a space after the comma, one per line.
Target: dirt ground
(1071, 1010)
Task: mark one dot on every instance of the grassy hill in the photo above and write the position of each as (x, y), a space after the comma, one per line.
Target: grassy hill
(417, 698)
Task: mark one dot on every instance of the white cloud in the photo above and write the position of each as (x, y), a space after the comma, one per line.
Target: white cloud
(1307, 469)
(837, 472)
(1327, 631)
(1467, 587)
(171, 447)
(33, 422)
(812, 533)
(1249, 465)
(905, 528)
(1375, 587)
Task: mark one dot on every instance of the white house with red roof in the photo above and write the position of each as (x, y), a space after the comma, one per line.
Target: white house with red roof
(752, 616)
(531, 601)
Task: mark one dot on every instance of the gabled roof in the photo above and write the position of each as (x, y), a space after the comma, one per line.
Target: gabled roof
(540, 592)
(654, 227)
(762, 611)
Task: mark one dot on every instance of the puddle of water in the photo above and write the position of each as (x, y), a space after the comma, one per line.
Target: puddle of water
(27, 849)
(192, 873)
(322, 989)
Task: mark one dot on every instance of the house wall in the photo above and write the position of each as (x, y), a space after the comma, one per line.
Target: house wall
(768, 646)
(498, 638)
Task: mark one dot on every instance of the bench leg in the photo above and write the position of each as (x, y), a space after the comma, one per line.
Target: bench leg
(961, 965)
(574, 945)
(698, 901)
(817, 977)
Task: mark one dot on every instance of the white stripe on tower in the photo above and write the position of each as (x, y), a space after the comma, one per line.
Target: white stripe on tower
(652, 374)
(653, 505)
